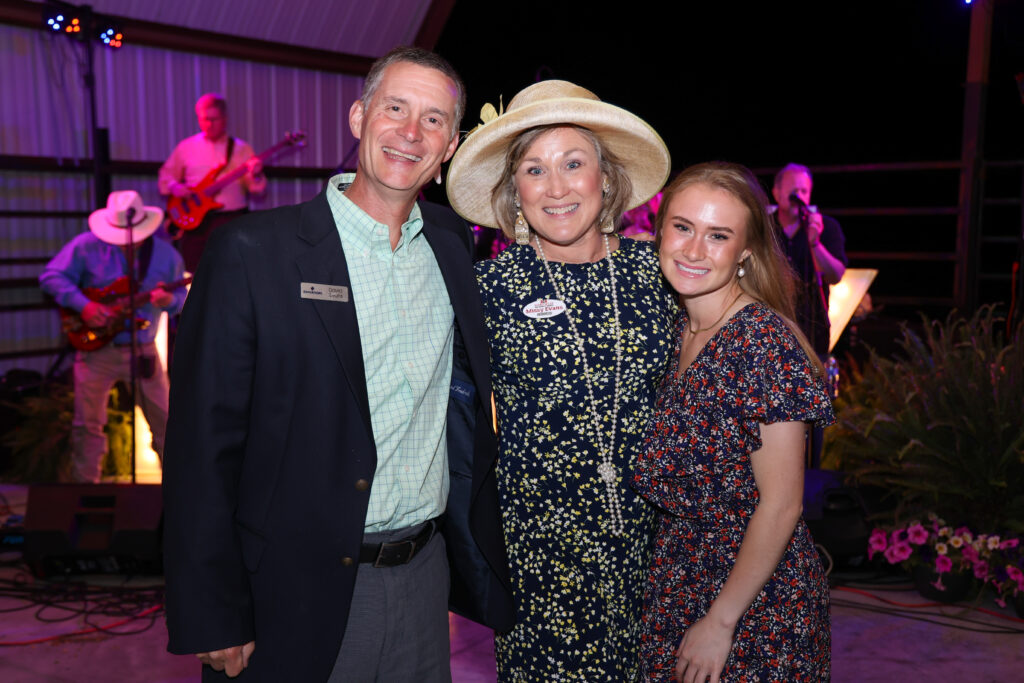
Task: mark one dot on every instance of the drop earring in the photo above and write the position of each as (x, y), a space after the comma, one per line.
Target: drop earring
(522, 228)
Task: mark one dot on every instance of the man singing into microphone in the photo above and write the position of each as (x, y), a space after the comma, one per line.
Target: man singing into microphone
(816, 251)
(815, 246)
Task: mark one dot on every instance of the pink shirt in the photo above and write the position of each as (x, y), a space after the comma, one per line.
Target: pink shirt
(196, 156)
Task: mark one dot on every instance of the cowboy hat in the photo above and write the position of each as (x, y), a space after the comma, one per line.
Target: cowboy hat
(479, 161)
(125, 215)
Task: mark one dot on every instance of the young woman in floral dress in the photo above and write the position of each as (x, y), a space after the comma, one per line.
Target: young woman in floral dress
(736, 589)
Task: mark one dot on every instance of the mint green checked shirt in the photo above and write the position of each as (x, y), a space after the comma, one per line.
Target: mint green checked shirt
(406, 327)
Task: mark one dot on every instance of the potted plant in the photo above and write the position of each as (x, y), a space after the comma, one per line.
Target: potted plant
(940, 559)
(1006, 573)
(939, 427)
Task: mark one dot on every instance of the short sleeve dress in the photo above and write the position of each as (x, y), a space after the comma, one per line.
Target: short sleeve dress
(695, 468)
(578, 588)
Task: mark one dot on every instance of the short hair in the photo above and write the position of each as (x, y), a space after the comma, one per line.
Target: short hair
(769, 278)
(420, 57)
(620, 188)
(213, 99)
(791, 168)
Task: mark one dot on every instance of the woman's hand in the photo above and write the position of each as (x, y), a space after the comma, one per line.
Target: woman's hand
(702, 652)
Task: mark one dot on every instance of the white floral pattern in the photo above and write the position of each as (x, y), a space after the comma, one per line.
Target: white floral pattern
(578, 588)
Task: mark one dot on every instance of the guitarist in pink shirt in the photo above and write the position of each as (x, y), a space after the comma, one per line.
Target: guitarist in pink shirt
(88, 279)
(199, 161)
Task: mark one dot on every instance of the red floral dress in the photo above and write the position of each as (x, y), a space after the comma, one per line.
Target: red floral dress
(695, 468)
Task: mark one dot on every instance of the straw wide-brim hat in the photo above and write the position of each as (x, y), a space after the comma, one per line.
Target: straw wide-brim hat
(124, 217)
(480, 159)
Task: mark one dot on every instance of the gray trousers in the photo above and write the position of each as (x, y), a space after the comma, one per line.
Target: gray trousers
(397, 627)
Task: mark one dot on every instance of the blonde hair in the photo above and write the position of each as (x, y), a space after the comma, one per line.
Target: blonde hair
(620, 189)
(769, 278)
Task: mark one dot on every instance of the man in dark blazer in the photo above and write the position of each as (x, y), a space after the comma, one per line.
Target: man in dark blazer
(271, 455)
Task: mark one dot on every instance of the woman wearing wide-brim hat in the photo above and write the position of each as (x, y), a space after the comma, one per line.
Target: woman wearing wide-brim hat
(580, 325)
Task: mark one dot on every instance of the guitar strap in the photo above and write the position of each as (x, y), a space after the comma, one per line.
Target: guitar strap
(227, 156)
(145, 256)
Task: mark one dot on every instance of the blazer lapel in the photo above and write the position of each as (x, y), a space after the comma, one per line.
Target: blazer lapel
(324, 263)
(456, 269)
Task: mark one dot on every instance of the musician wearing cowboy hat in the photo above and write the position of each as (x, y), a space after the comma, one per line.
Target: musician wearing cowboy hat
(95, 260)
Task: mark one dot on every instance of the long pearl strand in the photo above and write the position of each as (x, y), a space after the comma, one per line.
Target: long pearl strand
(607, 471)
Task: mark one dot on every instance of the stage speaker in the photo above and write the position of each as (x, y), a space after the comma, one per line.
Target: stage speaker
(93, 529)
(836, 516)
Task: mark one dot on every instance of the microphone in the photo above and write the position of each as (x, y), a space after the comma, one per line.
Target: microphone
(802, 208)
(130, 214)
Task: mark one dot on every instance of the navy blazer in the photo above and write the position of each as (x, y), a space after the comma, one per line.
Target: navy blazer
(270, 448)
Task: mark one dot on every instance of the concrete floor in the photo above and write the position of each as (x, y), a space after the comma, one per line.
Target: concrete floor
(867, 645)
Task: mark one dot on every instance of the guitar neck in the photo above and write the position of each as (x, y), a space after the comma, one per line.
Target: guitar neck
(236, 173)
(143, 297)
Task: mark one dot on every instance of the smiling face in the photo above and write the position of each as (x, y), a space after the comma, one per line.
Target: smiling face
(703, 240)
(559, 182)
(405, 131)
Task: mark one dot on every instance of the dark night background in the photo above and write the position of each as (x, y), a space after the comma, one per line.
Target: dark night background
(757, 83)
(820, 83)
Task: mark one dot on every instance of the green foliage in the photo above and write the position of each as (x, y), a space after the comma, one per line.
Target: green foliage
(41, 444)
(941, 427)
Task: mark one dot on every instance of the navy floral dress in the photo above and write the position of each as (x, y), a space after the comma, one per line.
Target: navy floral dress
(695, 467)
(578, 588)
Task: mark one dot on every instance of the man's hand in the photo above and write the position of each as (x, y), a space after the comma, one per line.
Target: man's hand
(229, 660)
(95, 314)
(160, 297)
(815, 226)
(180, 190)
(254, 166)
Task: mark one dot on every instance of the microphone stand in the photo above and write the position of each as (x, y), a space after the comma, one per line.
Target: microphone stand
(133, 287)
(810, 273)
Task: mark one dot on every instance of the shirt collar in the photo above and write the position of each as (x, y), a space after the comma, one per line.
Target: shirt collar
(357, 228)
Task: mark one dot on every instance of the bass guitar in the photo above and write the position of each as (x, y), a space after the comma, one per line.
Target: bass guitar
(115, 297)
(189, 211)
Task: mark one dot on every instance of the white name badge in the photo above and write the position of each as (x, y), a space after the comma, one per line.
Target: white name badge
(312, 290)
(543, 308)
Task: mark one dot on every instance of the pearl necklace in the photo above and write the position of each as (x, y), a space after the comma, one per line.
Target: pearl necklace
(607, 471)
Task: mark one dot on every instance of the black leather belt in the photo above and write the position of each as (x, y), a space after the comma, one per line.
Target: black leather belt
(394, 553)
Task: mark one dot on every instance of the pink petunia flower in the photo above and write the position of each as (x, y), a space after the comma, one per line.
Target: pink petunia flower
(1009, 543)
(970, 554)
(917, 534)
(878, 542)
(901, 551)
(891, 556)
(1014, 573)
(943, 564)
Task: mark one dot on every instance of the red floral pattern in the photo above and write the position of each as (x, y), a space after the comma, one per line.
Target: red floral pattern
(695, 467)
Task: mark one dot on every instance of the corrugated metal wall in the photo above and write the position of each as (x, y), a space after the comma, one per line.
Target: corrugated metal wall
(145, 97)
(354, 27)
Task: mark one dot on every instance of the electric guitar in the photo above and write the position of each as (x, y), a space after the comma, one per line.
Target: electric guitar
(114, 296)
(189, 211)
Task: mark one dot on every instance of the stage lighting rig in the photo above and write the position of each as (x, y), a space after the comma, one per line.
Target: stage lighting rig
(110, 35)
(81, 23)
(63, 17)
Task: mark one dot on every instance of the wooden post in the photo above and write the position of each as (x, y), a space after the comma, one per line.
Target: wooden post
(972, 158)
